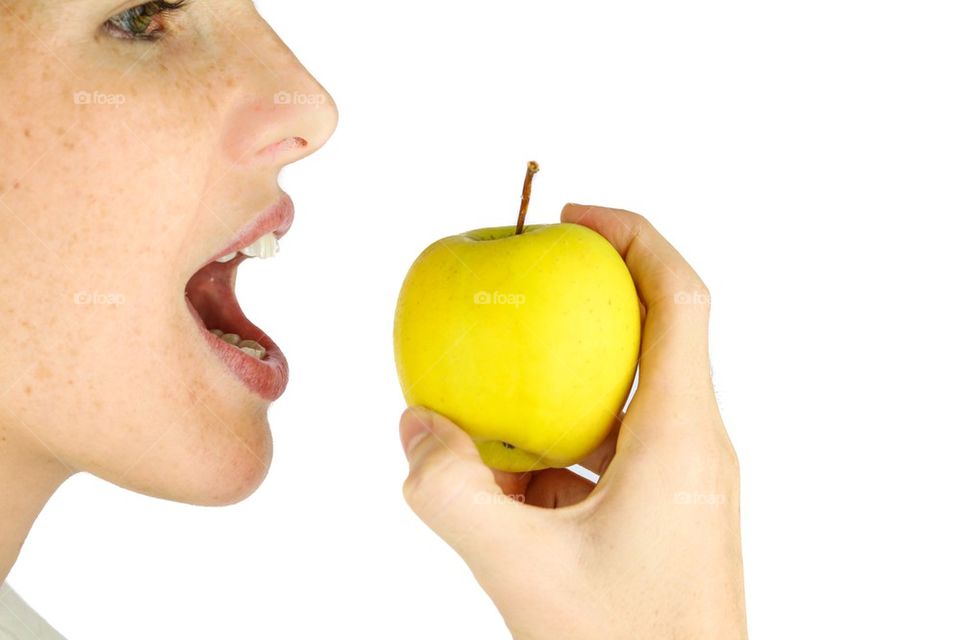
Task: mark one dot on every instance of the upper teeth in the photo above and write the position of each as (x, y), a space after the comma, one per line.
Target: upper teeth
(266, 246)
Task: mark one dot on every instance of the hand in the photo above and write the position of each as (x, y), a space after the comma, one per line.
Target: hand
(653, 549)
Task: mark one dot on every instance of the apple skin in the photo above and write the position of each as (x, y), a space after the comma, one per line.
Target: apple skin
(528, 342)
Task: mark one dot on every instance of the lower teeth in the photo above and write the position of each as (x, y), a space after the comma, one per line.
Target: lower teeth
(250, 347)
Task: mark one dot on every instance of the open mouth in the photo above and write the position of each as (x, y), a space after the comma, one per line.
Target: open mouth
(250, 354)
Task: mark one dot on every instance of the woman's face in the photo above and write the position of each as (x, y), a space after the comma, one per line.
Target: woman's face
(131, 155)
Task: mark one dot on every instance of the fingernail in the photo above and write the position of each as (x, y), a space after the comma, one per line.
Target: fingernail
(414, 427)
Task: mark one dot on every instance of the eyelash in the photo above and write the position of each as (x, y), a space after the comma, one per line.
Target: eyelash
(143, 22)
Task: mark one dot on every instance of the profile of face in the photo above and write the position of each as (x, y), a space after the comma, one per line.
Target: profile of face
(138, 144)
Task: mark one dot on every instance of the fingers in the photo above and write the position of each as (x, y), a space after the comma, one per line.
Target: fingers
(550, 488)
(557, 488)
(674, 360)
(512, 483)
(453, 492)
(599, 459)
(657, 267)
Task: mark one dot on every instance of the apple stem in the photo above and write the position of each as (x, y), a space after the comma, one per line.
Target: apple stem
(532, 168)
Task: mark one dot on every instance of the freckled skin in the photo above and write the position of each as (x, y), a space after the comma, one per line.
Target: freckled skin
(128, 198)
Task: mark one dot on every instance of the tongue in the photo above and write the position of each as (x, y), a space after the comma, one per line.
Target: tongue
(210, 291)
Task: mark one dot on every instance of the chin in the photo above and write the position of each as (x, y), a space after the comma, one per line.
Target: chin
(203, 464)
(239, 473)
(233, 489)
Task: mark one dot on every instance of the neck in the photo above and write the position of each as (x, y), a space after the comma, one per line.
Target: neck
(28, 477)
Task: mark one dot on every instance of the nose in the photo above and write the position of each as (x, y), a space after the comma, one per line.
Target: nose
(285, 113)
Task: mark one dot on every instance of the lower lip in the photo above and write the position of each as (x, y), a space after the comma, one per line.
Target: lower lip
(267, 377)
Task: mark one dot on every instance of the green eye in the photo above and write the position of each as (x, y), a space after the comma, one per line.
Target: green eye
(143, 22)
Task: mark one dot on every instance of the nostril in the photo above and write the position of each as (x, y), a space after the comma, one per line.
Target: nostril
(287, 144)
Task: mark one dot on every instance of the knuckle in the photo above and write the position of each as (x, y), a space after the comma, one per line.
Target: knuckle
(729, 457)
(640, 228)
(686, 286)
(690, 291)
(642, 224)
(411, 489)
(430, 473)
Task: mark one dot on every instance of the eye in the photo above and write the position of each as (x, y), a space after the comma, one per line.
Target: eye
(143, 22)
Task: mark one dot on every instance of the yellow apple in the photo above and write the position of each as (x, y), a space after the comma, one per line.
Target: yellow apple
(528, 341)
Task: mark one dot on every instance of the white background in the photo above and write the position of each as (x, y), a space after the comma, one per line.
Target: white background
(803, 156)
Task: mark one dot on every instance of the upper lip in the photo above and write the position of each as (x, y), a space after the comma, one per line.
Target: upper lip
(278, 218)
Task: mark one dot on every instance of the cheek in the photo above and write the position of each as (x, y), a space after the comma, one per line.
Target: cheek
(111, 374)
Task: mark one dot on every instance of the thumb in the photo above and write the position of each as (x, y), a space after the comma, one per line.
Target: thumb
(454, 492)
